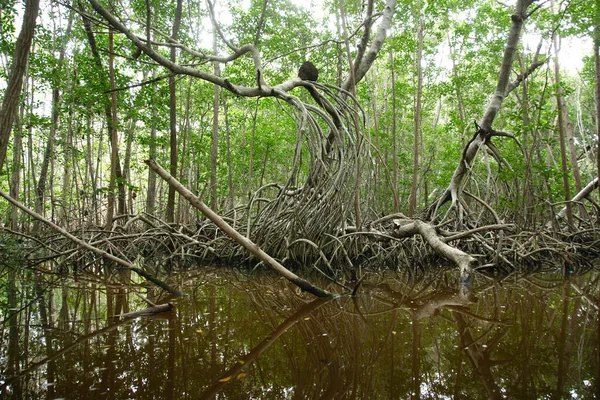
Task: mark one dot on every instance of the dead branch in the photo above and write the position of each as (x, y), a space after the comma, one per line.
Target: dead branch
(464, 261)
(87, 246)
(153, 310)
(235, 235)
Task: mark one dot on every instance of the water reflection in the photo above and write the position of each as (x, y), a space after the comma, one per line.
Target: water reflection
(237, 338)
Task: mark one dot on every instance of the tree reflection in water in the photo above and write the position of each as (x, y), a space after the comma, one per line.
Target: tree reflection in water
(532, 336)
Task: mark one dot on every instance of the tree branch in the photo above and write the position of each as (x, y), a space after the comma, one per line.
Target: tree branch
(367, 60)
(87, 246)
(264, 90)
(236, 236)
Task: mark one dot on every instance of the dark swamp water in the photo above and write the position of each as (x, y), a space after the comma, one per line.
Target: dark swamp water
(238, 337)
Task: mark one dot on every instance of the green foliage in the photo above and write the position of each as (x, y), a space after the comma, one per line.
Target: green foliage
(7, 27)
(462, 48)
(13, 250)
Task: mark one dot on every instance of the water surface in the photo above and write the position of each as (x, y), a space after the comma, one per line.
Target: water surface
(239, 337)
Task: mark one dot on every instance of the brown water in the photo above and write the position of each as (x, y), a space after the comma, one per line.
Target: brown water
(237, 337)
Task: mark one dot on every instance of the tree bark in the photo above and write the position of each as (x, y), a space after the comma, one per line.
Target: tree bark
(561, 133)
(462, 260)
(236, 236)
(16, 177)
(49, 148)
(151, 192)
(12, 353)
(8, 112)
(597, 93)
(528, 192)
(173, 116)
(17, 167)
(110, 113)
(214, 149)
(417, 117)
(152, 310)
(48, 152)
(394, 184)
(231, 187)
(366, 61)
(485, 132)
(114, 134)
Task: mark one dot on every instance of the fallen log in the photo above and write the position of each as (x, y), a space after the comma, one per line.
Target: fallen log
(152, 310)
(236, 236)
(463, 261)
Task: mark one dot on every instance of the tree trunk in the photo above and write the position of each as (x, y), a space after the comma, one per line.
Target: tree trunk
(67, 173)
(571, 147)
(231, 187)
(597, 93)
(17, 166)
(183, 215)
(12, 353)
(49, 149)
(561, 134)
(110, 112)
(417, 117)
(114, 135)
(362, 65)
(48, 154)
(12, 94)
(377, 198)
(127, 165)
(394, 185)
(457, 87)
(251, 161)
(16, 176)
(485, 132)
(528, 191)
(173, 117)
(151, 194)
(351, 67)
(214, 150)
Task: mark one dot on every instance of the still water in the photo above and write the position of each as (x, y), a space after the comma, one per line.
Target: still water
(238, 337)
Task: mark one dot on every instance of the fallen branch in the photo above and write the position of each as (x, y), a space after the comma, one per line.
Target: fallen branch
(87, 246)
(578, 197)
(486, 228)
(235, 235)
(463, 260)
(156, 309)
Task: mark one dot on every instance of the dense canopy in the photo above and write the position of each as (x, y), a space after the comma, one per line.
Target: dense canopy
(464, 131)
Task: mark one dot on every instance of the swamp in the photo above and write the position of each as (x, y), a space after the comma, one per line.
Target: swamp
(237, 336)
(271, 199)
